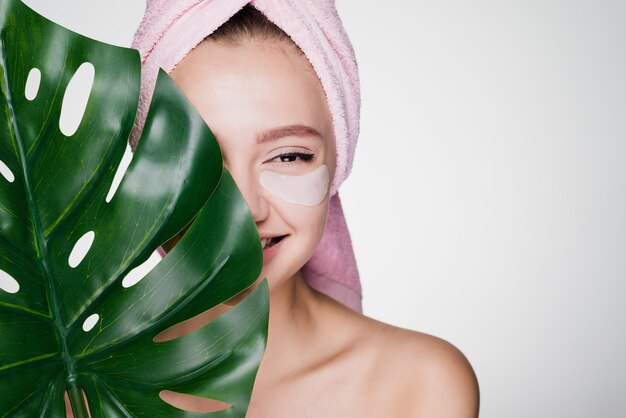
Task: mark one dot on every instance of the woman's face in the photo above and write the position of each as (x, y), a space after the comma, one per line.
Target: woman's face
(269, 113)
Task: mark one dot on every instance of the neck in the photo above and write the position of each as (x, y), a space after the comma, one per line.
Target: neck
(293, 325)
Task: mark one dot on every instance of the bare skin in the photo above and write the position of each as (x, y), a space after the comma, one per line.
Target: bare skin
(322, 359)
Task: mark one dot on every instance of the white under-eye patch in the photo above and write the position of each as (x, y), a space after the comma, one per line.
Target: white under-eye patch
(307, 190)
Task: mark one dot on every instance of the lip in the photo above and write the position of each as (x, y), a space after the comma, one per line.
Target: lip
(269, 253)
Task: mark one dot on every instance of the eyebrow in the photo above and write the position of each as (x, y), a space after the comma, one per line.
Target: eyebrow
(285, 131)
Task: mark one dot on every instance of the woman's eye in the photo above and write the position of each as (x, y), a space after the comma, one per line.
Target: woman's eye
(293, 156)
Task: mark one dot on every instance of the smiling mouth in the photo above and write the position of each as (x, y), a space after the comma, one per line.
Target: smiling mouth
(270, 242)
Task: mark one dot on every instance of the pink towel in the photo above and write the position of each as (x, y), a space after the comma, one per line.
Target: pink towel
(172, 28)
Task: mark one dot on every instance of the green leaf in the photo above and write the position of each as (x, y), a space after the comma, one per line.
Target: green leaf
(55, 189)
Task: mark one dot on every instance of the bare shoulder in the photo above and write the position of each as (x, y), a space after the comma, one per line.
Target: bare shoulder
(428, 376)
(397, 372)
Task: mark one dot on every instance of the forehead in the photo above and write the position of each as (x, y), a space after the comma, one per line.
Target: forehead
(257, 86)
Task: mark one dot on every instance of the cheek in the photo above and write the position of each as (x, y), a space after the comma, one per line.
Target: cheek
(308, 220)
(306, 227)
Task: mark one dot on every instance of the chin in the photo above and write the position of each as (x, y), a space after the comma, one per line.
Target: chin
(284, 267)
(276, 277)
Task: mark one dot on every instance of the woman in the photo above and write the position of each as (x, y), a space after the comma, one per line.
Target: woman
(284, 108)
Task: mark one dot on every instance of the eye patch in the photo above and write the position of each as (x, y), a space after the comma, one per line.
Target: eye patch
(306, 190)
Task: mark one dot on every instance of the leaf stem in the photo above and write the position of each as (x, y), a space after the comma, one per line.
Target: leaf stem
(79, 408)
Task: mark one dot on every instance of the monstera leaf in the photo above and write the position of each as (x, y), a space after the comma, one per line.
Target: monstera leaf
(74, 315)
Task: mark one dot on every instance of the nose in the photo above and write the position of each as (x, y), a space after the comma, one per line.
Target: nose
(254, 195)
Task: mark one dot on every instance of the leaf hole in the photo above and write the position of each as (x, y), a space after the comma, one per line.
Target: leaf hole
(75, 98)
(192, 403)
(68, 405)
(119, 174)
(171, 243)
(6, 172)
(32, 84)
(90, 322)
(192, 324)
(81, 248)
(8, 283)
(138, 273)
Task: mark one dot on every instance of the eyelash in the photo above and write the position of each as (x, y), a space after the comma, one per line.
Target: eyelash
(305, 157)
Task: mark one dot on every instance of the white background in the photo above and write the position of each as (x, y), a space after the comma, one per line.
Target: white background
(487, 202)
